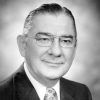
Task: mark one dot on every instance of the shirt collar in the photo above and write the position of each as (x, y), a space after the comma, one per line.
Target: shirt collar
(40, 89)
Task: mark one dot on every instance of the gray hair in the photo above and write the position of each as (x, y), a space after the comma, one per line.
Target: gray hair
(52, 8)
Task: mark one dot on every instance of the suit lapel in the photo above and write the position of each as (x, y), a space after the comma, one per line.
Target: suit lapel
(24, 90)
(65, 92)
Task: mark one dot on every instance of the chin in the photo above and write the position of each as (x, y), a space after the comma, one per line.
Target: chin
(56, 75)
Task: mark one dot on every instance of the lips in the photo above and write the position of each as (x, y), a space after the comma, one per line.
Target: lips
(53, 63)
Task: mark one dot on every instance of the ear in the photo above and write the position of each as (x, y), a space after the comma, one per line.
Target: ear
(21, 41)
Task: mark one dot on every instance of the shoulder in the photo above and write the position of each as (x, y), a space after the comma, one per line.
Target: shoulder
(6, 88)
(6, 84)
(75, 86)
(71, 83)
(76, 89)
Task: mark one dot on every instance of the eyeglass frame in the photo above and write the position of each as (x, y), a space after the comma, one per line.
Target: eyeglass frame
(52, 39)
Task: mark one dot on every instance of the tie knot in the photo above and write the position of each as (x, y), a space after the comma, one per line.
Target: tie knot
(50, 91)
(50, 94)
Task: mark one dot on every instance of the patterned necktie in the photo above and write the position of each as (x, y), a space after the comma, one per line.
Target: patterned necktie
(50, 94)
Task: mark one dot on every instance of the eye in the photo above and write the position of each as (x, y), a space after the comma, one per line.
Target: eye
(66, 41)
(42, 37)
(43, 41)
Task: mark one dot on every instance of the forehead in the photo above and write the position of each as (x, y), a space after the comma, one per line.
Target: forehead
(60, 24)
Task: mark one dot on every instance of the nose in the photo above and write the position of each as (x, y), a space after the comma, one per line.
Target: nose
(55, 49)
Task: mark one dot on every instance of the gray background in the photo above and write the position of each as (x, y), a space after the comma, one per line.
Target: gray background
(86, 66)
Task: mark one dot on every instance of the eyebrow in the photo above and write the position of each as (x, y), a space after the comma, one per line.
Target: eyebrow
(44, 33)
(49, 34)
(67, 36)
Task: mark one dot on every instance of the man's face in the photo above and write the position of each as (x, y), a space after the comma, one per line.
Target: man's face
(53, 61)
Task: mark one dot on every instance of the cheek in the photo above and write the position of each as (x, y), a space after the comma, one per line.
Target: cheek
(34, 51)
(69, 53)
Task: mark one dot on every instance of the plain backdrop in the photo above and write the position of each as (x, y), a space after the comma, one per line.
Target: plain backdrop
(86, 66)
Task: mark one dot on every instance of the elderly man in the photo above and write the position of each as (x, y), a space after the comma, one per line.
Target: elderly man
(48, 44)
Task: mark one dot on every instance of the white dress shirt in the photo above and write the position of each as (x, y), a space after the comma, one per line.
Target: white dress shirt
(41, 89)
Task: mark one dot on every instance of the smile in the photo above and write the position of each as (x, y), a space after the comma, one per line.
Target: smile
(53, 63)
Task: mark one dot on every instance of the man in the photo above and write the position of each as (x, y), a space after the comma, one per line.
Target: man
(48, 45)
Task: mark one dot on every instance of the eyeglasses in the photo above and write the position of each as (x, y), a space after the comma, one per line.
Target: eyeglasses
(47, 40)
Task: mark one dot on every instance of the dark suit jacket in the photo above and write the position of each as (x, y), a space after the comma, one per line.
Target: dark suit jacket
(18, 87)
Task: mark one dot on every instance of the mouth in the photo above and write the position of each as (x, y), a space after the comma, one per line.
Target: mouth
(51, 63)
